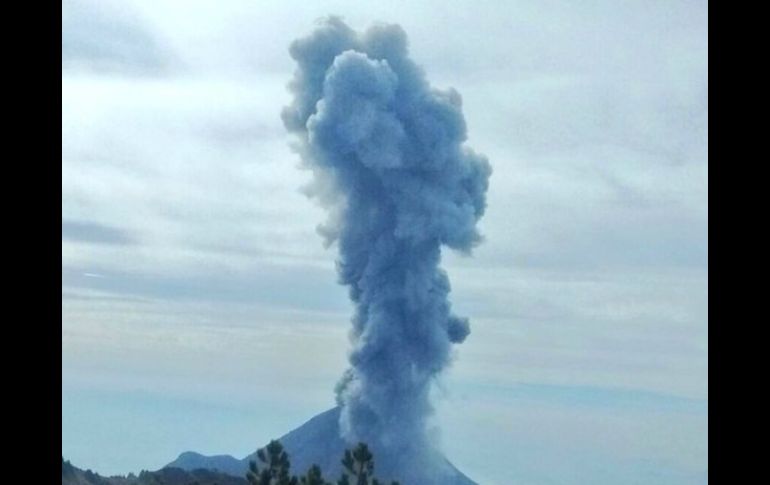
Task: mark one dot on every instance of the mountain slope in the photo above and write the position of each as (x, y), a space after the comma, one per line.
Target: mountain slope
(318, 442)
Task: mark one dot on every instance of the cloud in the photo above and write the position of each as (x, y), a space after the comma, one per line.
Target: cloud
(269, 284)
(94, 232)
(600, 164)
(108, 36)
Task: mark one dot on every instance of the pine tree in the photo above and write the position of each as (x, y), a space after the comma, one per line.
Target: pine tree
(314, 477)
(276, 467)
(359, 463)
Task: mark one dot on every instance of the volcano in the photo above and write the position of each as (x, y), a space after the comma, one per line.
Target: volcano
(318, 442)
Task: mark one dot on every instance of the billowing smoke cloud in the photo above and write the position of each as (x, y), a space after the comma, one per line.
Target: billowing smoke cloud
(390, 166)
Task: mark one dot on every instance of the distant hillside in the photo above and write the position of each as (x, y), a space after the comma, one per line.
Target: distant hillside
(72, 475)
(189, 460)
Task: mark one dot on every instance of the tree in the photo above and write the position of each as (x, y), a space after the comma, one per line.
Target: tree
(277, 465)
(313, 477)
(359, 463)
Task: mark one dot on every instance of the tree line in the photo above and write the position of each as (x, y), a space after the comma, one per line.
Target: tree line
(275, 468)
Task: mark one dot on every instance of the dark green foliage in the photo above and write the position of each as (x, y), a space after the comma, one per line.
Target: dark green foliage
(359, 463)
(313, 477)
(276, 465)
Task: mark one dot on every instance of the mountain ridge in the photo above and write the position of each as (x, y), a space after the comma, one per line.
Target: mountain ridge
(72, 475)
(318, 441)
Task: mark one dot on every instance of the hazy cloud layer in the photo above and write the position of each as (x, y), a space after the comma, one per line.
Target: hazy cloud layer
(93, 232)
(109, 36)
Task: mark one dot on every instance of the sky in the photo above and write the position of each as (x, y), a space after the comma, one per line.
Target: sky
(201, 310)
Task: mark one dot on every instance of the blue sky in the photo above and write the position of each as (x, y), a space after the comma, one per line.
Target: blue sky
(191, 267)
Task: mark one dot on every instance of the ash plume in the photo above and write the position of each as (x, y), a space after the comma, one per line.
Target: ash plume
(386, 150)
